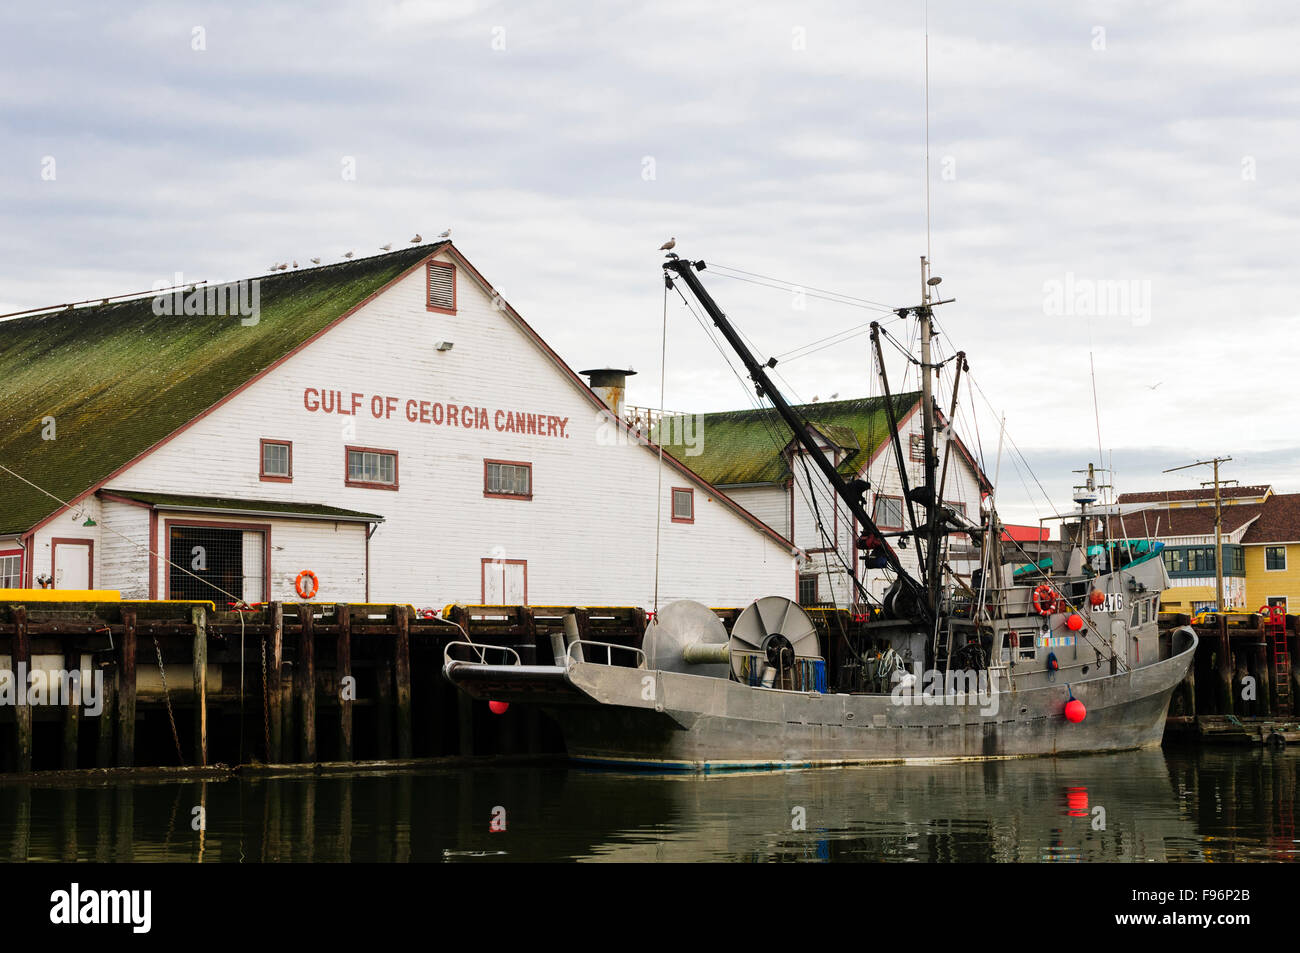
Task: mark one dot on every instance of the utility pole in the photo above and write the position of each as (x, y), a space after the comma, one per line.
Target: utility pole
(1225, 655)
(1218, 524)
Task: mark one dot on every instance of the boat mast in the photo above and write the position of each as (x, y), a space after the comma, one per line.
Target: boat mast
(932, 502)
(851, 494)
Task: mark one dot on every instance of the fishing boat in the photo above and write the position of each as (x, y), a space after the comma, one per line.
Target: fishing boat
(1023, 657)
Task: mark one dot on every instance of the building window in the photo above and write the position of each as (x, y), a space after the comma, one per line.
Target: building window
(683, 505)
(1200, 560)
(277, 461)
(1173, 560)
(889, 512)
(1278, 601)
(808, 594)
(11, 569)
(512, 481)
(1234, 560)
(372, 468)
(441, 282)
(916, 448)
(1275, 558)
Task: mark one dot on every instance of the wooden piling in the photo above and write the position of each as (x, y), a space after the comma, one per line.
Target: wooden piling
(402, 660)
(104, 747)
(72, 710)
(384, 705)
(1263, 679)
(126, 694)
(273, 679)
(287, 707)
(343, 668)
(1225, 667)
(307, 682)
(21, 660)
(199, 617)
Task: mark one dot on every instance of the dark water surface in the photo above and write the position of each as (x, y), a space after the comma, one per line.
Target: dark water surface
(1182, 804)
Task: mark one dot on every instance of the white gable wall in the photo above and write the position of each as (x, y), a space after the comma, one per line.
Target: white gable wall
(588, 533)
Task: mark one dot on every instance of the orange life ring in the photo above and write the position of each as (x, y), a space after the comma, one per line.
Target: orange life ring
(315, 584)
(1045, 599)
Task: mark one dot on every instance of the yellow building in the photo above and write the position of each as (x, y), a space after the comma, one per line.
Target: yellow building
(1272, 545)
(1260, 540)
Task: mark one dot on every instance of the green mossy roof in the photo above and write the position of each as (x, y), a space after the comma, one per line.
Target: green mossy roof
(171, 500)
(745, 446)
(118, 378)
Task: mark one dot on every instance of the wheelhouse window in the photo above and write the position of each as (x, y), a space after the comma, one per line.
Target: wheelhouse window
(368, 467)
(889, 512)
(1274, 557)
(11, 565)
(512, 481)
(916, 448)
(441, 287)
(277, 461)
(683, 505)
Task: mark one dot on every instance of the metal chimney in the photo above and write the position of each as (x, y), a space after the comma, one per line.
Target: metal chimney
(609, 384)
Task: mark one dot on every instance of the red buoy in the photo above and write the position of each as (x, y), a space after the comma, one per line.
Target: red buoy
(1074, 711)
(1075, 622)
(1096, 597)
(498, 708)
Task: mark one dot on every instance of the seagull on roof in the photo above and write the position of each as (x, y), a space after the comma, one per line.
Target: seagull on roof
(295, 263)
(348, 254)
(446, 234)
(283, 266)
(315, 261)
(417, 239)
(668, 245)
(388, 247)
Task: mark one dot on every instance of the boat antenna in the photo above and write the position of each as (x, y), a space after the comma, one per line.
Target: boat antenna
(927, 130)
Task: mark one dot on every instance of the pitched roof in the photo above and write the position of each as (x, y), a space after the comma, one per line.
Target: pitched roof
(118, 378)
(739, 447)
(1279, 522)
(1202, 494)
(1164, 522)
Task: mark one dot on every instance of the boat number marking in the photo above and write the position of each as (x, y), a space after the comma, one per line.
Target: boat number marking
(1114, 602)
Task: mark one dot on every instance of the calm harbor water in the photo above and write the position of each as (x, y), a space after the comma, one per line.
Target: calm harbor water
(1183, 804)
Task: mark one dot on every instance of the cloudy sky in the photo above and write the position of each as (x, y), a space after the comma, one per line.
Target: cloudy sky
(1113, 185)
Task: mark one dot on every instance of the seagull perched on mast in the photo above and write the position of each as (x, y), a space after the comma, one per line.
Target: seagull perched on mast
(668, 245)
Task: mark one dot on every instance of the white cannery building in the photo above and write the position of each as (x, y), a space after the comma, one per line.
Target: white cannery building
(389, 425)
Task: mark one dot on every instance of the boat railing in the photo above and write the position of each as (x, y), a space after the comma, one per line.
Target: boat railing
(609, 647)
(478, 653)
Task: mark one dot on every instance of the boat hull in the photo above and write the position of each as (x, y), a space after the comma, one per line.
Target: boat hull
(666, 720)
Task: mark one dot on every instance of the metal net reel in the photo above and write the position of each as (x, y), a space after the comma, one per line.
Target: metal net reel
(688, 638)
(770, 636)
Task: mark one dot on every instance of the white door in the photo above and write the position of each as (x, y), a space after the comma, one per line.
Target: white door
(516, 582)
(505, 582)
(72, 565)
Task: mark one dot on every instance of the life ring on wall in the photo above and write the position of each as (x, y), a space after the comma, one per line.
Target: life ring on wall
(315, 584)
(1044, 599)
